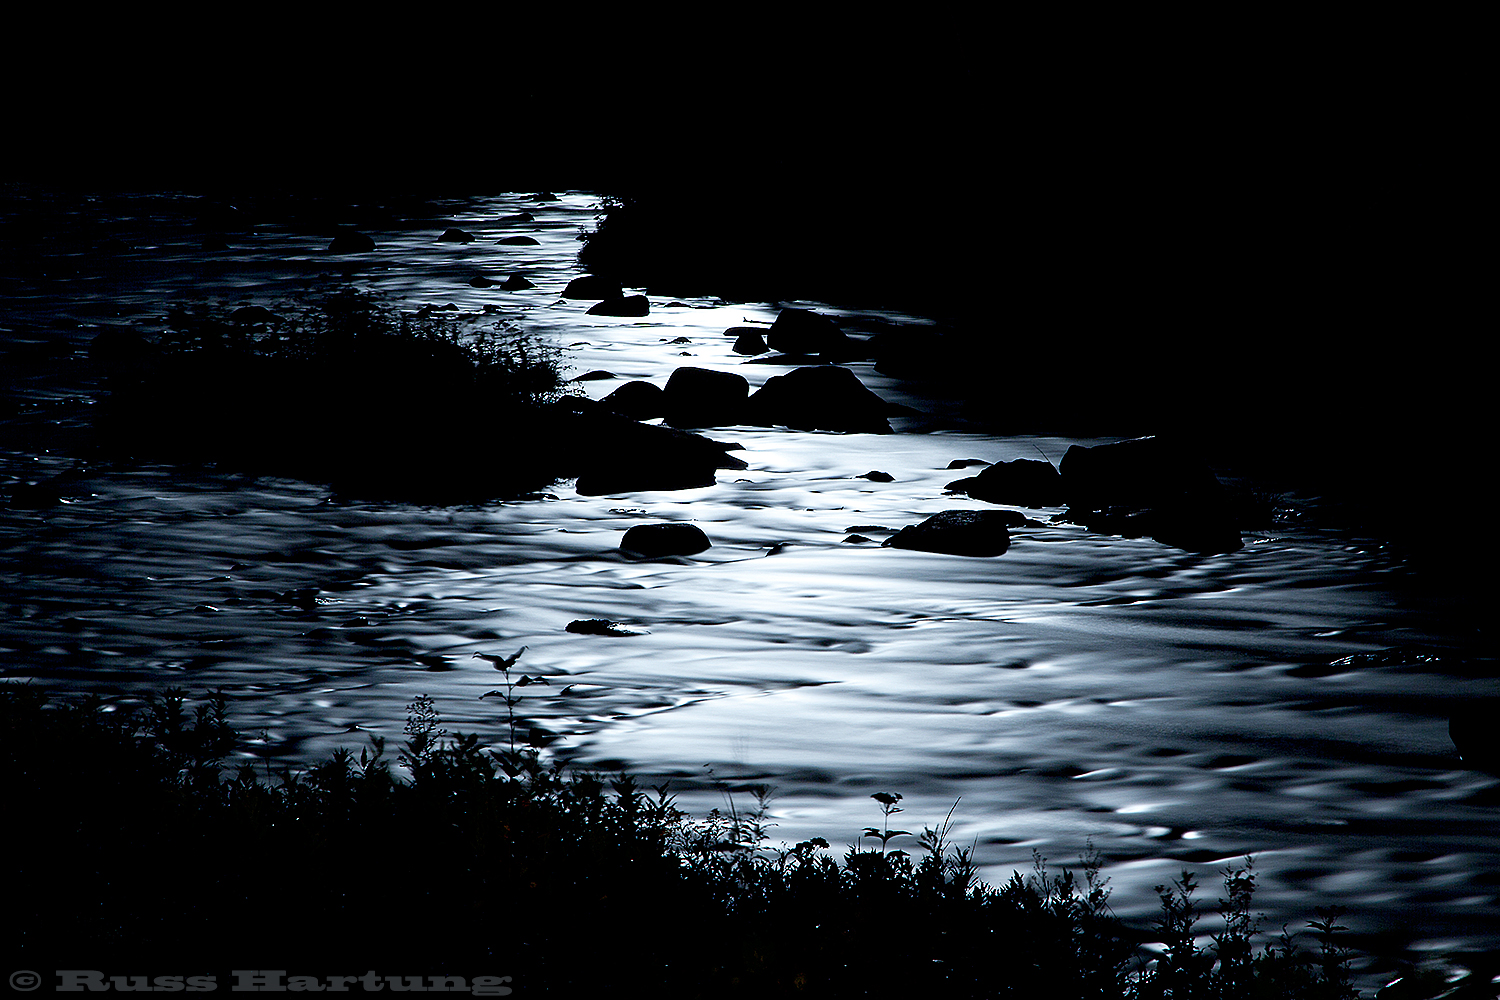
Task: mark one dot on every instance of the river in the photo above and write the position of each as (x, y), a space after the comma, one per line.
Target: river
(1170, 710)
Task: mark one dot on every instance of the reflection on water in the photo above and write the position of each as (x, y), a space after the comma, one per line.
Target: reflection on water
(1173, 709)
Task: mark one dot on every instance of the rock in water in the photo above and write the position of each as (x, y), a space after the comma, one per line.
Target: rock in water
(654, 540)
(1025, 483)
(822, 398)
(637, 400)
(957, 533)
(592, 286)
(1149, 487)
(350, 241)
(610, 453)
(701, 397)
(456, 236)
(799, 331)
(626, 305)
(750, 342)
(1143, 472)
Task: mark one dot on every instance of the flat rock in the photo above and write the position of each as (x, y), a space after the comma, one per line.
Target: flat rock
(625, 305)
(957, 533)
(1024, 483)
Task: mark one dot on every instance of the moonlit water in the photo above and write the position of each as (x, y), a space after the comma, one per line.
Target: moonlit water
(1172, 710)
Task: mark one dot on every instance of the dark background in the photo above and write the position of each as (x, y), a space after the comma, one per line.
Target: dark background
(1263, 234)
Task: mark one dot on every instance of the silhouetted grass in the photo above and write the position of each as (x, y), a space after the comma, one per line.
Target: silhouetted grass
(132, 848)
(340, 388)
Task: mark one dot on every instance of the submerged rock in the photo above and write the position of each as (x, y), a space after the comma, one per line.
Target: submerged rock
(958, 533)
(701, 397)
(821, 397)
(350, 241)
(654, 540)
(519, 241)
(516, 283)
(1024, 483)
(456, 236)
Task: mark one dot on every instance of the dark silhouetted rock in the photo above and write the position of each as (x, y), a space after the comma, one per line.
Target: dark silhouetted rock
(252, 316)
(750, 342)
(1149, 487)
(957, 533)
(480, 281)
(116, 346)
(456, 236)
(516, 283)
(610, 453)
(597, 375)
(857, 540)
(665, 540)
(599, 626)
(519, 241)
(637, 400)
(350, 241)
(822, 397)
(799, 331)
(34, 496)
(964, 463)
(876, 476)
(1143, 472)
(625, 305)
(700, 397)
(592, 286)
(518, 217)
(1025, 483)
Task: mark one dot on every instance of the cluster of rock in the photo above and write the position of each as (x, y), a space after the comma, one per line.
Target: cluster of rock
(819, 397)
(1145, 487)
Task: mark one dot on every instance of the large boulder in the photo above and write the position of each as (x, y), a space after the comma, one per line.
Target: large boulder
(1143, 472)
(958, 533)
(592, 286)
(800, 331)
(610, 453)
(1023, 483)
(750, 341)
(637, 400)
(821, 397)
(656, 540)
(624, 305)
(1150, 487)
(701, 397)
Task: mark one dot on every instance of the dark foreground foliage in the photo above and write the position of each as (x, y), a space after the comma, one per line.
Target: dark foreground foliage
(131, 848)
(340, 389)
